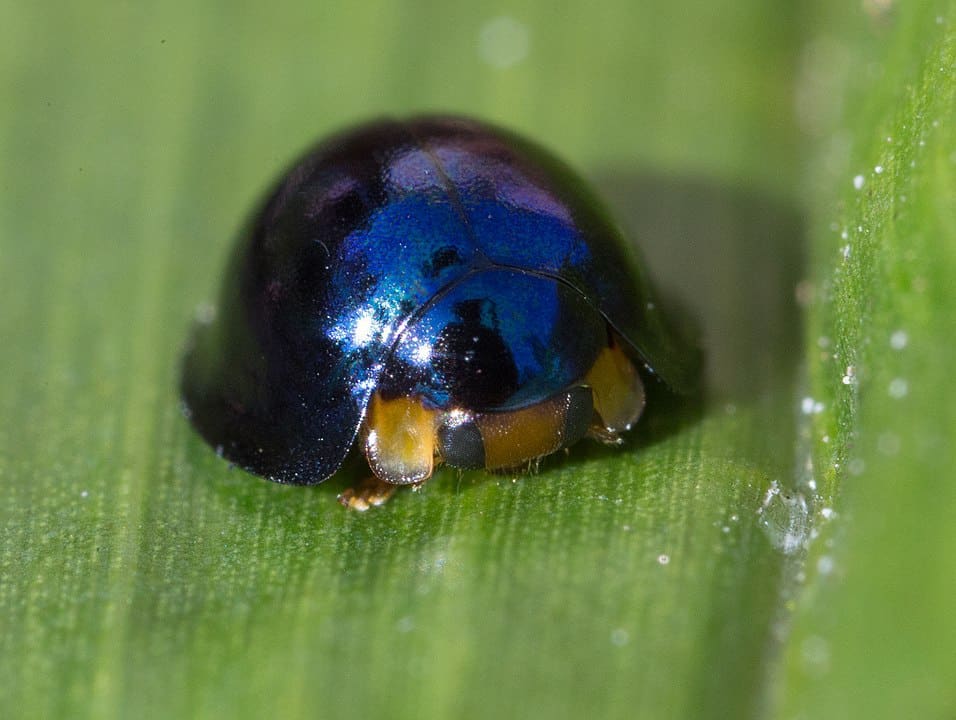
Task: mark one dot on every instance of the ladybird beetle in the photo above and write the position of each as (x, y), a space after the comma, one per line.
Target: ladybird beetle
(439, 290)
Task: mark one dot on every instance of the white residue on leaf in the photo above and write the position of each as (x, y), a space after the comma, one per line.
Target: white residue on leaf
(849, 375)
(815, 654)
(898, 388)
(205, 313)
(503, 42)
(888, 443)
(620, 637)
(785, 519)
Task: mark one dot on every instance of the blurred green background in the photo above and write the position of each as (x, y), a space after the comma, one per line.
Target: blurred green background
(781, 547)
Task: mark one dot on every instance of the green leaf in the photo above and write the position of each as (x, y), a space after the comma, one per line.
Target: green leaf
(780, 547)
(874, 633)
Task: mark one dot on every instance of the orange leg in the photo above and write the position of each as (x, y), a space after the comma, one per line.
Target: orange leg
(618, 394)
(400, 440)
(400, 449)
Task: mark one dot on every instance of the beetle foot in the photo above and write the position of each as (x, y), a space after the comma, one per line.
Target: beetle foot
(605, 436)
(370, 492)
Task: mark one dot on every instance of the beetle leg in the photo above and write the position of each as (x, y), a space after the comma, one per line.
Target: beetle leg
(400, 440)
(371, 491)
(618, 394)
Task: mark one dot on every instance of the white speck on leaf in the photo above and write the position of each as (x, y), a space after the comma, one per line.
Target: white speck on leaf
(620, 637)
(503, 42)
(815, 652)
(888, 443)
(785, 518)
(849, 375)
(898, 388)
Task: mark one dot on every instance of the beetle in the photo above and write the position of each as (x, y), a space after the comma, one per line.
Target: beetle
(437, 290)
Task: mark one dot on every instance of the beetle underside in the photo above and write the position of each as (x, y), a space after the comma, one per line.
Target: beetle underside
(404, 440)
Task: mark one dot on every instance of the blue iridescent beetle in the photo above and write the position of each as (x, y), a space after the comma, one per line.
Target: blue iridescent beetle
(440, 289)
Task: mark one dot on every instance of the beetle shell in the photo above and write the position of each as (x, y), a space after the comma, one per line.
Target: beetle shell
(437, 258)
